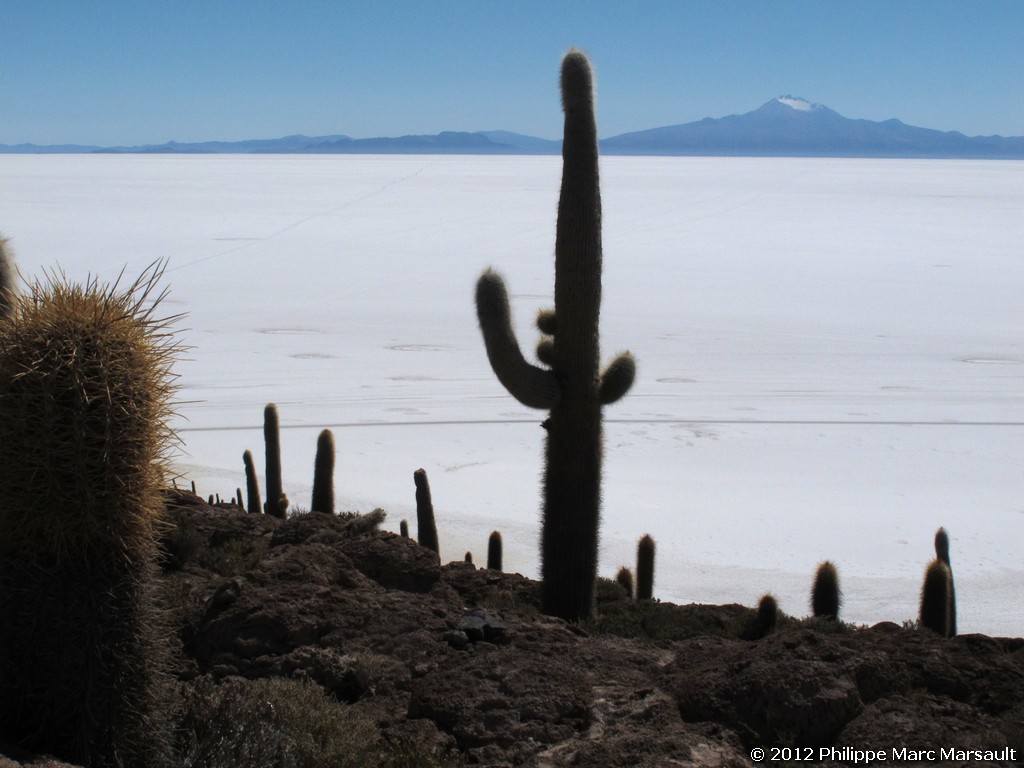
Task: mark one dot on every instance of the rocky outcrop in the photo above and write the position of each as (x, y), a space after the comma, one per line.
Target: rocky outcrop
(458, 657)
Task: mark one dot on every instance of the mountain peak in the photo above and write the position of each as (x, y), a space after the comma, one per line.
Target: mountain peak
(797, 103)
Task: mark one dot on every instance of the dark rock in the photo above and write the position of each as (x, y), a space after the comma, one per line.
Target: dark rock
(472, 625)
(456, 638)
(363, 613)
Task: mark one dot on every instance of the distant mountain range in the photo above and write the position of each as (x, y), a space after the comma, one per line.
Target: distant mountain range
(787, 126)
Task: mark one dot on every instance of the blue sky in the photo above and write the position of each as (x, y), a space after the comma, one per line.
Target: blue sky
(148, 71)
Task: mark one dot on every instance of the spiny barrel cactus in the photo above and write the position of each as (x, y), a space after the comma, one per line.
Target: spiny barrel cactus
(942, 553)
(252, 485)
(426, 528)
(571, 386)
(272, 441)
(645, 568)
(494, 551)
(936, 598)
(323, 474)
(85, 388)
(825, 595)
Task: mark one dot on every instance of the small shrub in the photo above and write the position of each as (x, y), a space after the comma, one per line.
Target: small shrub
(275, 722)
(233, 557)
(285, 724)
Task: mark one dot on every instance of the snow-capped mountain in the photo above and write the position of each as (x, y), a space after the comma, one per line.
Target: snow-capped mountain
(794, 126)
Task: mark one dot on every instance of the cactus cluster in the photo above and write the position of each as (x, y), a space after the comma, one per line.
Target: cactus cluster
(570, 385)
(85, 403)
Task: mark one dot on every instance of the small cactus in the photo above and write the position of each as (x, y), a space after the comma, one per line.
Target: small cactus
(469, 558)
(936, 598)
(403, 529)
(494, 551)
(826, 596)
(645, 569)
(323, 474)
(625, 579)
(767, 615)
(272, 440)
(252, 485)
(426, 528)
(942, 553)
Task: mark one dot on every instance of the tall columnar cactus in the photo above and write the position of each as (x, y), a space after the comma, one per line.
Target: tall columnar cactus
(825, 595)
(8, 288)
(272, 440)
(942, 553)
(426, 528)
(570, 384)
(936, 598)
(252, 485)
(645, 569)
(494, 551)
(85, 388)
(323, 474)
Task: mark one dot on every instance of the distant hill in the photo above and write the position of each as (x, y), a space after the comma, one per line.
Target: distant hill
(791, 126)
(787, 126)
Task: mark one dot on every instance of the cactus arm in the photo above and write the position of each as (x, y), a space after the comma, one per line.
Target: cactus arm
(532, 386)
(546, 322)
(617, 379)
(546, 350)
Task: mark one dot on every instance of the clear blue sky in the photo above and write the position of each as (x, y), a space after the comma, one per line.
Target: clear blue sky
(148, 71)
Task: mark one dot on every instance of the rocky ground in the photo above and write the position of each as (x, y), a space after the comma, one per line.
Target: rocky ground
(457, 660)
